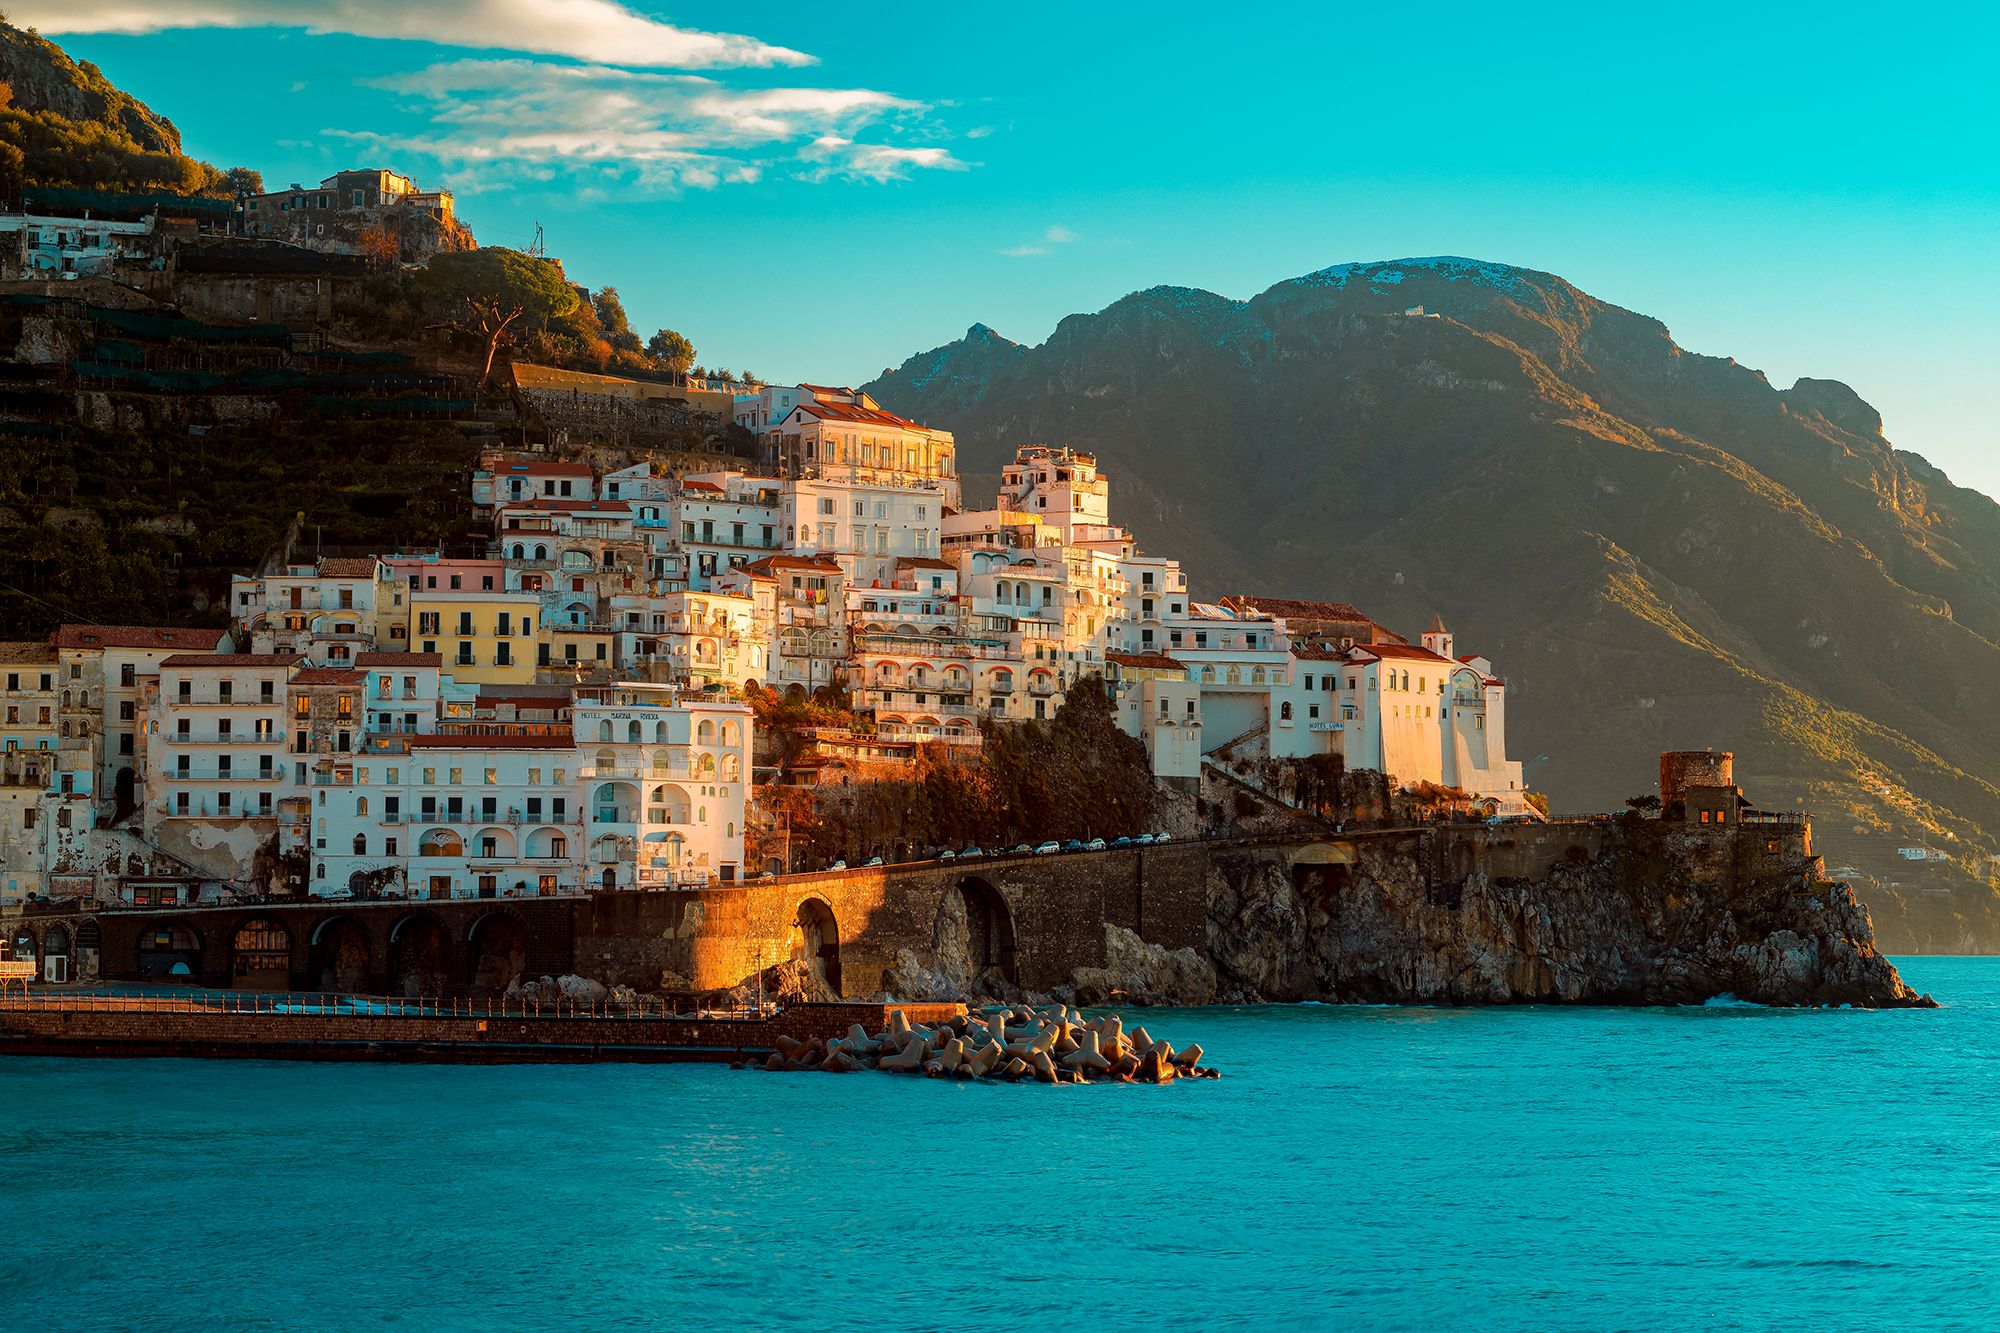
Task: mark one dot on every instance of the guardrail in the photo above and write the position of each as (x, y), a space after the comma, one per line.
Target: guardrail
(288, 1004)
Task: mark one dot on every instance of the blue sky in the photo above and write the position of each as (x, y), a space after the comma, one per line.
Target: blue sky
(812, 191)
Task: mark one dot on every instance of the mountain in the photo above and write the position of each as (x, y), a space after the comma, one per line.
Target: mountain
(1660, 549)
(64, 125)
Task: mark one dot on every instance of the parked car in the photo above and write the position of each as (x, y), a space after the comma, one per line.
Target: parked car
(872, 861)
(1160, 837)
(946, 855)
(838, 865)
(971, 854)
(339, 895)
(1094, 845)
(1121, 841)
(1023, 849)
(1073, 845)
(1048, 848)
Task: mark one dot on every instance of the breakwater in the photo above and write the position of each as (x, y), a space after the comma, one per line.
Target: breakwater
(271, 1027)
(1009, 1044)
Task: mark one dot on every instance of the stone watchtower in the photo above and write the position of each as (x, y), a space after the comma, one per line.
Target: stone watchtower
(1686, 771)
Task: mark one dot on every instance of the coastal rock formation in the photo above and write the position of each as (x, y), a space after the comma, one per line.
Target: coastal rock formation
(1640, 913)
(1136, 972)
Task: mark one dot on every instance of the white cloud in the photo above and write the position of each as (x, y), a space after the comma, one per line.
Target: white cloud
(496, 121)
(833, 157)
(1056, 234)
(600, 30)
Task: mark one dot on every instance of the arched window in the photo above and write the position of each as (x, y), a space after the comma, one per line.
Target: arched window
(632, 732)
(660, 732)
(1256, 675)
(604, 731)
(1285, 711)
(729, 734)
(361, 844)
(541, 551)
(1235, 674)
(705, 733)
(361, 805)
(1208, 675)
(732, 768)
(520, 552)
(607, 759)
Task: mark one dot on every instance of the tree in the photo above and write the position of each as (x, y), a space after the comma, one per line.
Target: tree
(611, 314)
(380, 247)
(671, 350)
(240, 181)
(491, 289)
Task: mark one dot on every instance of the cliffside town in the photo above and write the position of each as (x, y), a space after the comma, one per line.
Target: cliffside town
(570, 708)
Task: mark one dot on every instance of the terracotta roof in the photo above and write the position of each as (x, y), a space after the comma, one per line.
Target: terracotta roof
(399, 659)
(572, 506)
(232, 659)
(850, 412)
(819, 562)
(924, 562)
(1293, 609)
(505, 742)
(348, 567)
(1402, 651)
(548, 469)
(700, 486)
(1146, 661)
(135, 636)
(325, 676)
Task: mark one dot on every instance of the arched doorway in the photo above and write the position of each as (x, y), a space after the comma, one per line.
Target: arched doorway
(171, 952)
(497, 952)
(417, 956)
(260, 956)
(55, 956)
(89, 946)
(816, 940)
(989, 930)
(340, 956)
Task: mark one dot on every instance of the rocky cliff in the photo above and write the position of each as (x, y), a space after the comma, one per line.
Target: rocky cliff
(1660, 549)
(1639, 912)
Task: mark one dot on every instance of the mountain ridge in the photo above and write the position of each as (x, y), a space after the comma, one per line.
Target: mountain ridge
(1658, 546)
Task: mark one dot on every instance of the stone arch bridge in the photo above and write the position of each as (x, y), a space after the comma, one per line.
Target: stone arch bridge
(1031, 919)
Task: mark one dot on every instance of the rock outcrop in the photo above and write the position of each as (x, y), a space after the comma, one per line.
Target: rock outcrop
(1645, 915)
(1136, 972)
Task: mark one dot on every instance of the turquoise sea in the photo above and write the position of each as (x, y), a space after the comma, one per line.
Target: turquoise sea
(1721, 1167)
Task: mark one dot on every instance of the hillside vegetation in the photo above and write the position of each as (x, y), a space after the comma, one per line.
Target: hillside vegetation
(63, 124)
(1659, 549)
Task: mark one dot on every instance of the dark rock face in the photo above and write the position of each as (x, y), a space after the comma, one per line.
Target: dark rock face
(1661, 550)
(1657, 919)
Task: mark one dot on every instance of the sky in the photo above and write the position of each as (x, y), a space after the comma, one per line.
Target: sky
(812, 191)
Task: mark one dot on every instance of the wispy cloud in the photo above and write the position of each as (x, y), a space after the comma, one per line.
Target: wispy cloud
(599, 30)
(1055, 235)
(498, 121)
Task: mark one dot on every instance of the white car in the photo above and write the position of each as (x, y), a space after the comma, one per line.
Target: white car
(1094, 845)
(1160, 837)
(1048, 848)
(838, 865)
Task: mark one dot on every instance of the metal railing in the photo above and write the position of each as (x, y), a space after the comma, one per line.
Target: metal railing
(327, 1004)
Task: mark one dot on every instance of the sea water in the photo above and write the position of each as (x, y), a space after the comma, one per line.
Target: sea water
(1534, 1168)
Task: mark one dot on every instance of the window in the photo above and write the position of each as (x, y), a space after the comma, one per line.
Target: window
(128, 675)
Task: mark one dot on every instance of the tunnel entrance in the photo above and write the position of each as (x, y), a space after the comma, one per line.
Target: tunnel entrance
(340, 956)
(816, 940)
(499, 953)
(989, 931)
(417, 957)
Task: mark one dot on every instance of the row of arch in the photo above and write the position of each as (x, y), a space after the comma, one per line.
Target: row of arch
(706, 732)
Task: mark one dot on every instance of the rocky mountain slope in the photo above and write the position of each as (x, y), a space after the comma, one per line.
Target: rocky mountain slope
(1659, 548)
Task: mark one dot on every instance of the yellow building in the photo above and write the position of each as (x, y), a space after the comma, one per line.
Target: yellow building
(487, 638)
